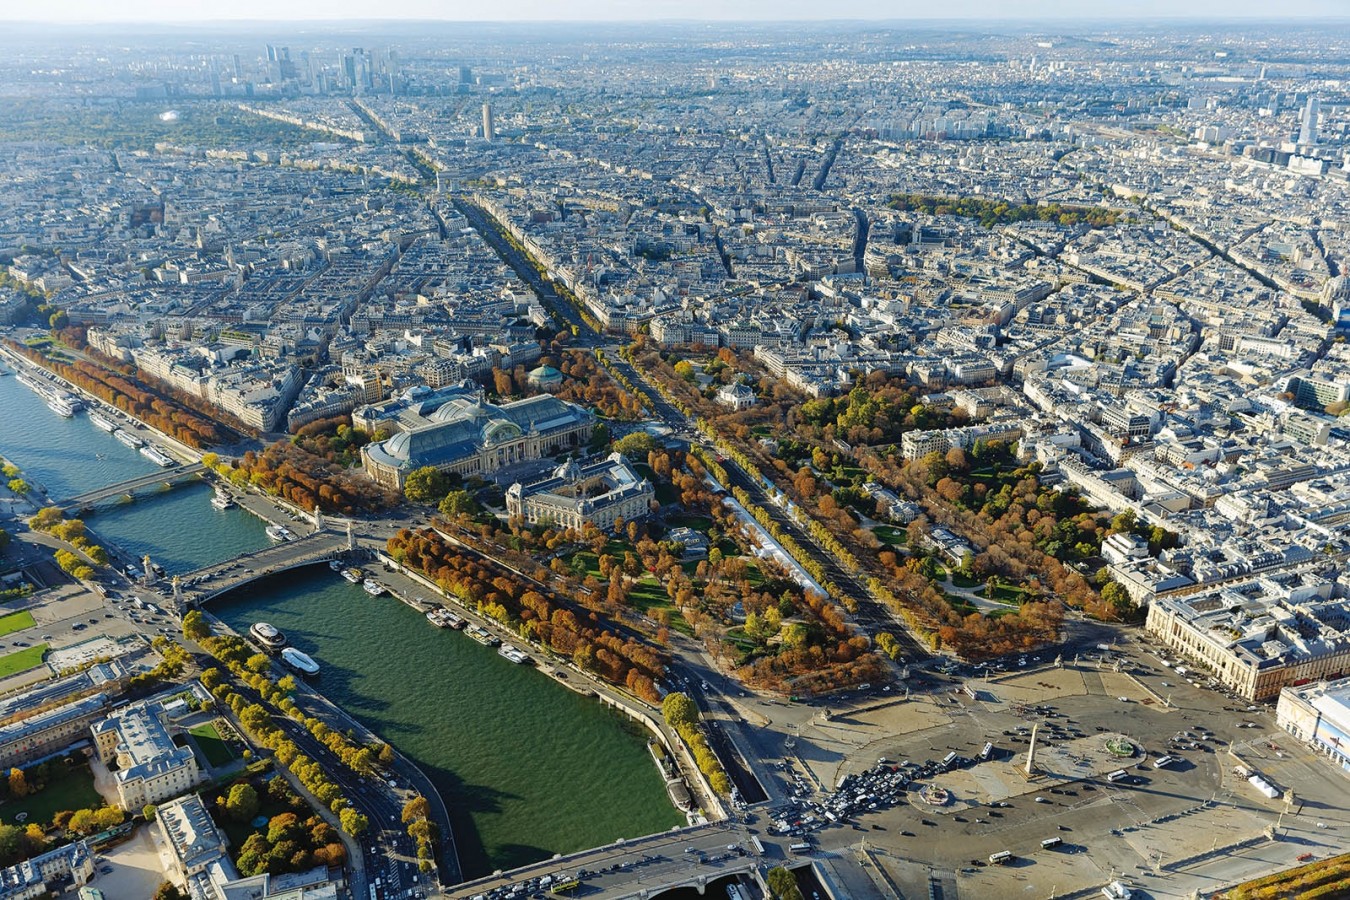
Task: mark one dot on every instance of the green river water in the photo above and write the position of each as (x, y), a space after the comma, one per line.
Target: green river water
(527, 767)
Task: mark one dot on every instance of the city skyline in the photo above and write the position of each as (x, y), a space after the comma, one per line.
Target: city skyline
(138, 11)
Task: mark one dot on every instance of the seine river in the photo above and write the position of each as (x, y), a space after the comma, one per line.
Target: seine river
(527, 767)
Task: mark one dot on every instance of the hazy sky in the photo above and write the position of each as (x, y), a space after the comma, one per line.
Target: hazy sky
(638, 10)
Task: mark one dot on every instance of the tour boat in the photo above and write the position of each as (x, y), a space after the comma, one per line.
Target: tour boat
(300, 662)
(269, 636)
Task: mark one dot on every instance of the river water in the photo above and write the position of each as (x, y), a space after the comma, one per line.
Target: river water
(526, 767)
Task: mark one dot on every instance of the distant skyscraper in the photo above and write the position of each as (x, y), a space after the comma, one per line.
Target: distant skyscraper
(488, 132)
(1307, 135)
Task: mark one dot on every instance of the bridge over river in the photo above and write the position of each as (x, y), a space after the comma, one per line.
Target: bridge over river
(644, 867)
(212, 581)
(161, 479)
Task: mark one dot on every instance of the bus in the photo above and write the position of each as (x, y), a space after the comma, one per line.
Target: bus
(1001, 857)
(802, 847)
(1117, 775)
(987, 752)
(566, 886)
(948, 760)
(1165, 760)
(1051, 842)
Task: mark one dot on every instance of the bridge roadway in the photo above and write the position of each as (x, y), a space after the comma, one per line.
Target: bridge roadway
(211, 581)
(131, 485)
(667, 864)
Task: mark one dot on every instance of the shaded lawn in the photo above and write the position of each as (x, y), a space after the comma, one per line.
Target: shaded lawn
(214, 747)
(696, 523)
(648, 596)
(71, 789)
(1005, 593)
(16, 622)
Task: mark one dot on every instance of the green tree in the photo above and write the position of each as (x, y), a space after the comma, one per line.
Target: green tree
(425, 485)
(458, 503)
(148, 812)
(19, 486)
(352, 821)
(11, 844)
(194, 626)
(685, 370)
(258, 663)
(636, 445)
(782, 886)
(679, 710)
(242, 802)
(1119, 599)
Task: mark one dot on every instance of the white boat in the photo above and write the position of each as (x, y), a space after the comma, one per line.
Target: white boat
(279, 533)
(515, 654)
(128, 438)
(300, 662)
(444, 618)
(222, 500)
(335, 565)
(157, 456)
(64, 405)
(352, 575)
(106, 424)
(268, 635)
(372, 587)
(482, 635)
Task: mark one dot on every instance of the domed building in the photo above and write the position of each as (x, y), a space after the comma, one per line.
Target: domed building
(545, 378)
(469, 436)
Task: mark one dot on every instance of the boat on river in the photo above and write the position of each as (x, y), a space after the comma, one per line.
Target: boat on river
(222, 500)
(300, 662)
(105, 424)
(482, 635)
(267, 635)
(157, 456)
(353, 575)
(128, 438)
(65, 405)
(278, 533)
(515, 654)
(372, 587)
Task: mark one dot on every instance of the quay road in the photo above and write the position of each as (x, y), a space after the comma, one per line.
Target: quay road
(645, 866)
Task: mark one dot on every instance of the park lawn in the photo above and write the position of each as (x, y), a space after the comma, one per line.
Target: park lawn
(585, 561)
(890, 535)
(22, 660)
(214, 747)
(1005, 593)
(962, 581)
(648, 596)
(666, 494)
(72, 789)
(16, 622)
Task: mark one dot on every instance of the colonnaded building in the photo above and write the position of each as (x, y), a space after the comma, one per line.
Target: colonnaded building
(469, 436)
(598, 491)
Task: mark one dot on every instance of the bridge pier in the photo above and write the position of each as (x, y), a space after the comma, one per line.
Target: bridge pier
(701, 885)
